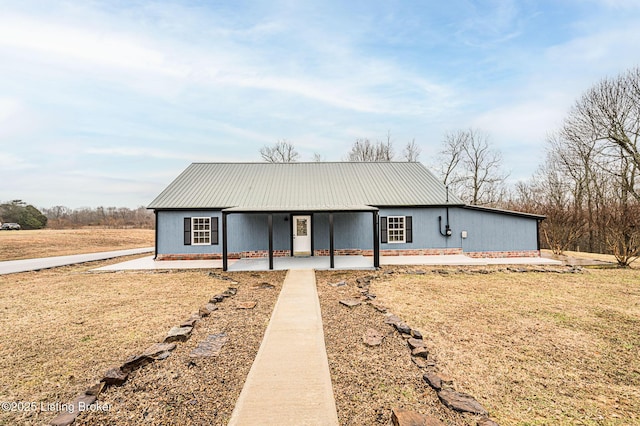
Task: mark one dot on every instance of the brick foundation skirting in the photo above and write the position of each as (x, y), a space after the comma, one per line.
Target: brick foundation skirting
(494, 254)
(352, 252)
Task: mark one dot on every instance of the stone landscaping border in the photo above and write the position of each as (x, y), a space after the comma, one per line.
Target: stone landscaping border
(117, 375)
(440, 383)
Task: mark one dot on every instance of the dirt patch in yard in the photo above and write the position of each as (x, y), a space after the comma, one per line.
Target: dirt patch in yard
(63, 328)
(534, 348)
(15, 245)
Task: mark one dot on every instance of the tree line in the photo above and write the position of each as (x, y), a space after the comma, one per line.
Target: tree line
(588, 187)
(26, 215)
(61, 217)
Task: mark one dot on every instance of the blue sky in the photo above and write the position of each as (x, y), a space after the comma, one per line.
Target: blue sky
(105, 102)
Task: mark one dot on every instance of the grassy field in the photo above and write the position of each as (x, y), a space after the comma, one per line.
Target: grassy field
(16, 245)
(534, 348)
(62, 328)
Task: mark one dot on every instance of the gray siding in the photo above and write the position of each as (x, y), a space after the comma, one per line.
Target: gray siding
(171, 232)
(492, 231)
(486, 231)
(350, 231)
(250, 232)
(425, 228)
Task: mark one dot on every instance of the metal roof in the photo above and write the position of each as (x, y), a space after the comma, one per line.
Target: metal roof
(320, 186)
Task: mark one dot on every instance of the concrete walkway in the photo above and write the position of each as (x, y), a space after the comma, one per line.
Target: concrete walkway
(26, 265)
(289, 382)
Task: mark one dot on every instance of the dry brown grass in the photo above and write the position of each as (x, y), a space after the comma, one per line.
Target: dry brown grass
(63, 328)
(16, 245)
(534, 348)
(589, 256)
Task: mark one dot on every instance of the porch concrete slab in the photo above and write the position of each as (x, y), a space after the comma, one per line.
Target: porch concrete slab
(449, 259)
(521, 261)
(289, 382)
(321, 263)
(462, 260)
(147, 263)
(298, 263)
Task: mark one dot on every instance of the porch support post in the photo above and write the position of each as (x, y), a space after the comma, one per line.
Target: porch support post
(331, 260)
(270, 241)
(224, 242)
(376, 241)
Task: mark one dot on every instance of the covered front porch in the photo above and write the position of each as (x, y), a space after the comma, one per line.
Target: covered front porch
(318, 263)
(274, 234)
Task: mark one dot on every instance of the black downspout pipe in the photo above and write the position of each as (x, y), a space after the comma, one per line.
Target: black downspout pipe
(447, 229)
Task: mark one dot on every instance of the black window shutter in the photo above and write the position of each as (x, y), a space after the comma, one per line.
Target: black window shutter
(187, 231)
(408, 224)
(383, 229)
(214, 231)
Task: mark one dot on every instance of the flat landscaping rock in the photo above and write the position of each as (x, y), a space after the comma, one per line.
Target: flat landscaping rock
(420, 352)
(134, 362)
(402, 417)
(210, 346)
(461, 402)
(416, 343)
(373, 337)
(264, 285)
(420, 362)
(378, 306)
(392, 319)
(246, 305)
(178, 334)
(403, 328)
(191, 321)
(66, 418)
(433, 380)
(158, 349)
(207, 309)
(114, 377)
(350, 303)
(486, 422)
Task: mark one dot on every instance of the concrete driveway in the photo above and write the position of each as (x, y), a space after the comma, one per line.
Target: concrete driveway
(26, 265)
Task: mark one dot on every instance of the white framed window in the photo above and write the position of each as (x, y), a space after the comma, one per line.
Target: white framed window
(396, 229)
(200, 230)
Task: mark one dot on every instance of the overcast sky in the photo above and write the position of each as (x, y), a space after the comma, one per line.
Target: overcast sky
(105, 102)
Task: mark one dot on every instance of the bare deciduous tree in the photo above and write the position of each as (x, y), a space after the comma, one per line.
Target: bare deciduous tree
(411, 151)
(364, 150)
(280, 152)
(591, 193)
(607, 116)
(472, 168)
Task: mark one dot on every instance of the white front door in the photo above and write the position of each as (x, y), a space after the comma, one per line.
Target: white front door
(301, 235)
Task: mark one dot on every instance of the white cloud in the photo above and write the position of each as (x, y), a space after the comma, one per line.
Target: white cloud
(85, 46)
(12, 162)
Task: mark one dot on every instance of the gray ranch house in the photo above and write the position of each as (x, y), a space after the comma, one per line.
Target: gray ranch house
(244, 210)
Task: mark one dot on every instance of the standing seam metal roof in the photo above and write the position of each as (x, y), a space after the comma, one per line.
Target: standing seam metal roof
(303, 187)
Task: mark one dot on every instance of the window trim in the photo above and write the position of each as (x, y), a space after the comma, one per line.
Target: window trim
(202, 234)
(390, 229)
